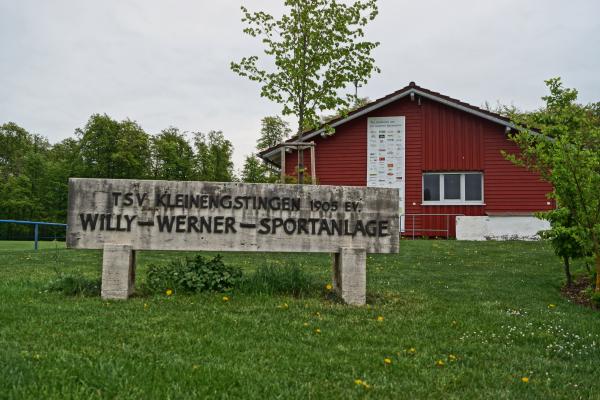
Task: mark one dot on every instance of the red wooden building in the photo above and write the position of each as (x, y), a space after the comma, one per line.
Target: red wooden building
(444, 156)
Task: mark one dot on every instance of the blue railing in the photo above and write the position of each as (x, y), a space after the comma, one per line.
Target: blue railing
(36, 230)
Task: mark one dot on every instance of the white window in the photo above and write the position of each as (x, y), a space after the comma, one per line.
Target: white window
(453, 188)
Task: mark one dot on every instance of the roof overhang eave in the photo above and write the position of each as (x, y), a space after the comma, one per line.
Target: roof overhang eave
(391, 100)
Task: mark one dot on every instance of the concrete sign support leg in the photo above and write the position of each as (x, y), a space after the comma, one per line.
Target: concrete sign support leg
(118, 271)
(350, 275)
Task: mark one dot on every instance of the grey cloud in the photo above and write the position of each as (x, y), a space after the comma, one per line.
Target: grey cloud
(167, 63)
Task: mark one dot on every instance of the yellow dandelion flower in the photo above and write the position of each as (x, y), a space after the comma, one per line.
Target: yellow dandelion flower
(329, 287)
(169, 292)
(387, 361)
(380, 319)
(451, 357)
(551, 305)
(317, 330)
(412, 350)
(360, 382)
(439, 363)
(525, 379)
(225, 298)
(305, 324)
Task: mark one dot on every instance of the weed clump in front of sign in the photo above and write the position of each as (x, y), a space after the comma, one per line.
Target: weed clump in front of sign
(287, 279)
(74, 285)
(197, 274)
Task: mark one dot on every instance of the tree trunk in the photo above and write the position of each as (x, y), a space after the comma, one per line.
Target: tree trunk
(302, 107)
(587, 266)
(568, 271)
(597, 258)
(300, 165)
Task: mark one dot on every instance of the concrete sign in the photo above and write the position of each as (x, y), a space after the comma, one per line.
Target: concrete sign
(121, 216)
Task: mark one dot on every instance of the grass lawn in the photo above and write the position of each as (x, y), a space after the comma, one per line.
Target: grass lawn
(25, 245)
(490, 311)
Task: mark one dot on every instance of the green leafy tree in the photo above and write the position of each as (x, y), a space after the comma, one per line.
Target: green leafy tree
(36, 169)
(34, 175)
(172, 156)
(133, 156)
(255, 171)
(214, 157)
(273, 131)
(315, 51)
(15, 144)
(25, 172)
(16, 198)
(358, 102)
(97, 143)
(113, 149)
(564, 238)
(562, 143)
(64, 162)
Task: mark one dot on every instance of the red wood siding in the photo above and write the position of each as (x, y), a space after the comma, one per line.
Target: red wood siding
(452, 140)
(438, 138)
(341, 159)
(508, 188)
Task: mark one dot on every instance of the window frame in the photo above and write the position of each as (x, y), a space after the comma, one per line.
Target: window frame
(460, 201)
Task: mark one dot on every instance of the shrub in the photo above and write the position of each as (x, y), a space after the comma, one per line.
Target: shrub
(280, 279)
(564, 236)
(293, 178)
(75, 285)
(195, 274)
(595, 299)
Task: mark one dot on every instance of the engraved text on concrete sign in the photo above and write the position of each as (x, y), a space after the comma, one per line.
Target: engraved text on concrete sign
(166, 215)
(121, 216)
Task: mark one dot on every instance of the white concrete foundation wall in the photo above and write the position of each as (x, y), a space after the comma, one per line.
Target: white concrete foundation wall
(499, 228)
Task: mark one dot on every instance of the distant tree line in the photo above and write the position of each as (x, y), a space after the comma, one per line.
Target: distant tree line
(34, 173)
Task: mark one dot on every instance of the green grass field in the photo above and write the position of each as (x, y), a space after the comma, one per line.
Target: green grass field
(23, 245)
(490, 311)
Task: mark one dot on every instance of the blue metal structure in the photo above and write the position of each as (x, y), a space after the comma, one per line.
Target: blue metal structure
(35, 224)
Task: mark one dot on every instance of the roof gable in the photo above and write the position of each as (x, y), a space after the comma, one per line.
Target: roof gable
(411, 89)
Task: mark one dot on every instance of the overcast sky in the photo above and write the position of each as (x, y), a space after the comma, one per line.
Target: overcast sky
(167, 63)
